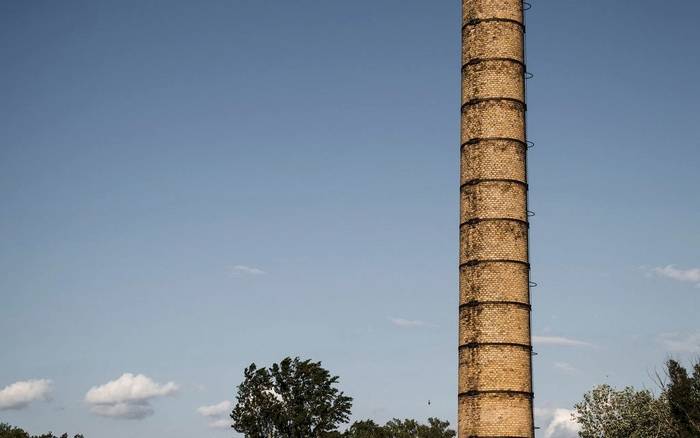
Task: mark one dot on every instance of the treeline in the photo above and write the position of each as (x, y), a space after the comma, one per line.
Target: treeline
(298, 398)
(7, 431)
(673, 413)
(398, 429)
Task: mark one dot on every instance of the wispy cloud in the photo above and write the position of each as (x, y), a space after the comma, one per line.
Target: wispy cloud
(216, 410)
(239, 270)
(409, 323)
(560, 423)
(566, 367)
(20, 394)
(691, 275)
(221, 423)
(677, 343)
(127, 397)
(217, 414)
(560, 341)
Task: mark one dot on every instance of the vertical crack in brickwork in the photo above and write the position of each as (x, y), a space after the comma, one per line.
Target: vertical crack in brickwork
(495, 358)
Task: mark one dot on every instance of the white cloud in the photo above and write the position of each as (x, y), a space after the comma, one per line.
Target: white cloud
(685, 275)
(560, 423)
(127, 397)
(560, 341)
(566, 367)
(20, 394)
(409, 323)
(129, 411)
(220, 424)
(246, 270)
(215, 410)
(678, 343)
(217, 414)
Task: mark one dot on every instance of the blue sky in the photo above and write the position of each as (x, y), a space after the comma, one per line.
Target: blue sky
(189, 187)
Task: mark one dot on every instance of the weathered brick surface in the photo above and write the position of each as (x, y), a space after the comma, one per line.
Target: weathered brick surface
(494, 281)
(492, 39)
(493, 119)
(495, 415)
(493, 240)
(495, 375)
(493, 159)
(494, 199)
(508, 9)
(494, 367)
(495, 78)
(494, 322)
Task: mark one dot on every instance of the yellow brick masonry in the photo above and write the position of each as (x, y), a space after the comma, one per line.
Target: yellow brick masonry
(494, 78)
(508, 9)
(493, 159)
(495, 371)
(494, 199)
(494, 281)
(496, 415)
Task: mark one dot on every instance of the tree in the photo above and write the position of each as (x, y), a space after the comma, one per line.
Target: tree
(609, 413)
(439, 429)
(366, 429)
(51, 435)
(7, 431)
(412, 429)
(400, 429)
(292, 399)
(683, 394)
(675, 413)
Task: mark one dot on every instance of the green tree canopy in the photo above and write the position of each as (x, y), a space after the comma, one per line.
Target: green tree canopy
(412, 429)
(683, 394)
(292, 399)
(609, 413)
(606, 412)
(7, 431)
(400, 429)
(365, 429)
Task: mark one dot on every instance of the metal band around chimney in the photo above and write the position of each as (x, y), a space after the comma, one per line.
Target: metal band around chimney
(476, 181)
(475, 392)
(472, 345)
(476, 220)
(478, 100)
(475, 61)
(475, 262)
(475, 21)
(475, 303)
(478, 140)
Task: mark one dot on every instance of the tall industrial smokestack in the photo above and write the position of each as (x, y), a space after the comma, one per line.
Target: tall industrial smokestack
(495, 353)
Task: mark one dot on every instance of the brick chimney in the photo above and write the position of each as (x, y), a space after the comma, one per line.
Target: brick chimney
(495, 352)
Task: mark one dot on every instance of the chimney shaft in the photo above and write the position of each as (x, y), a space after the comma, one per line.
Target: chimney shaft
(495, 353)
